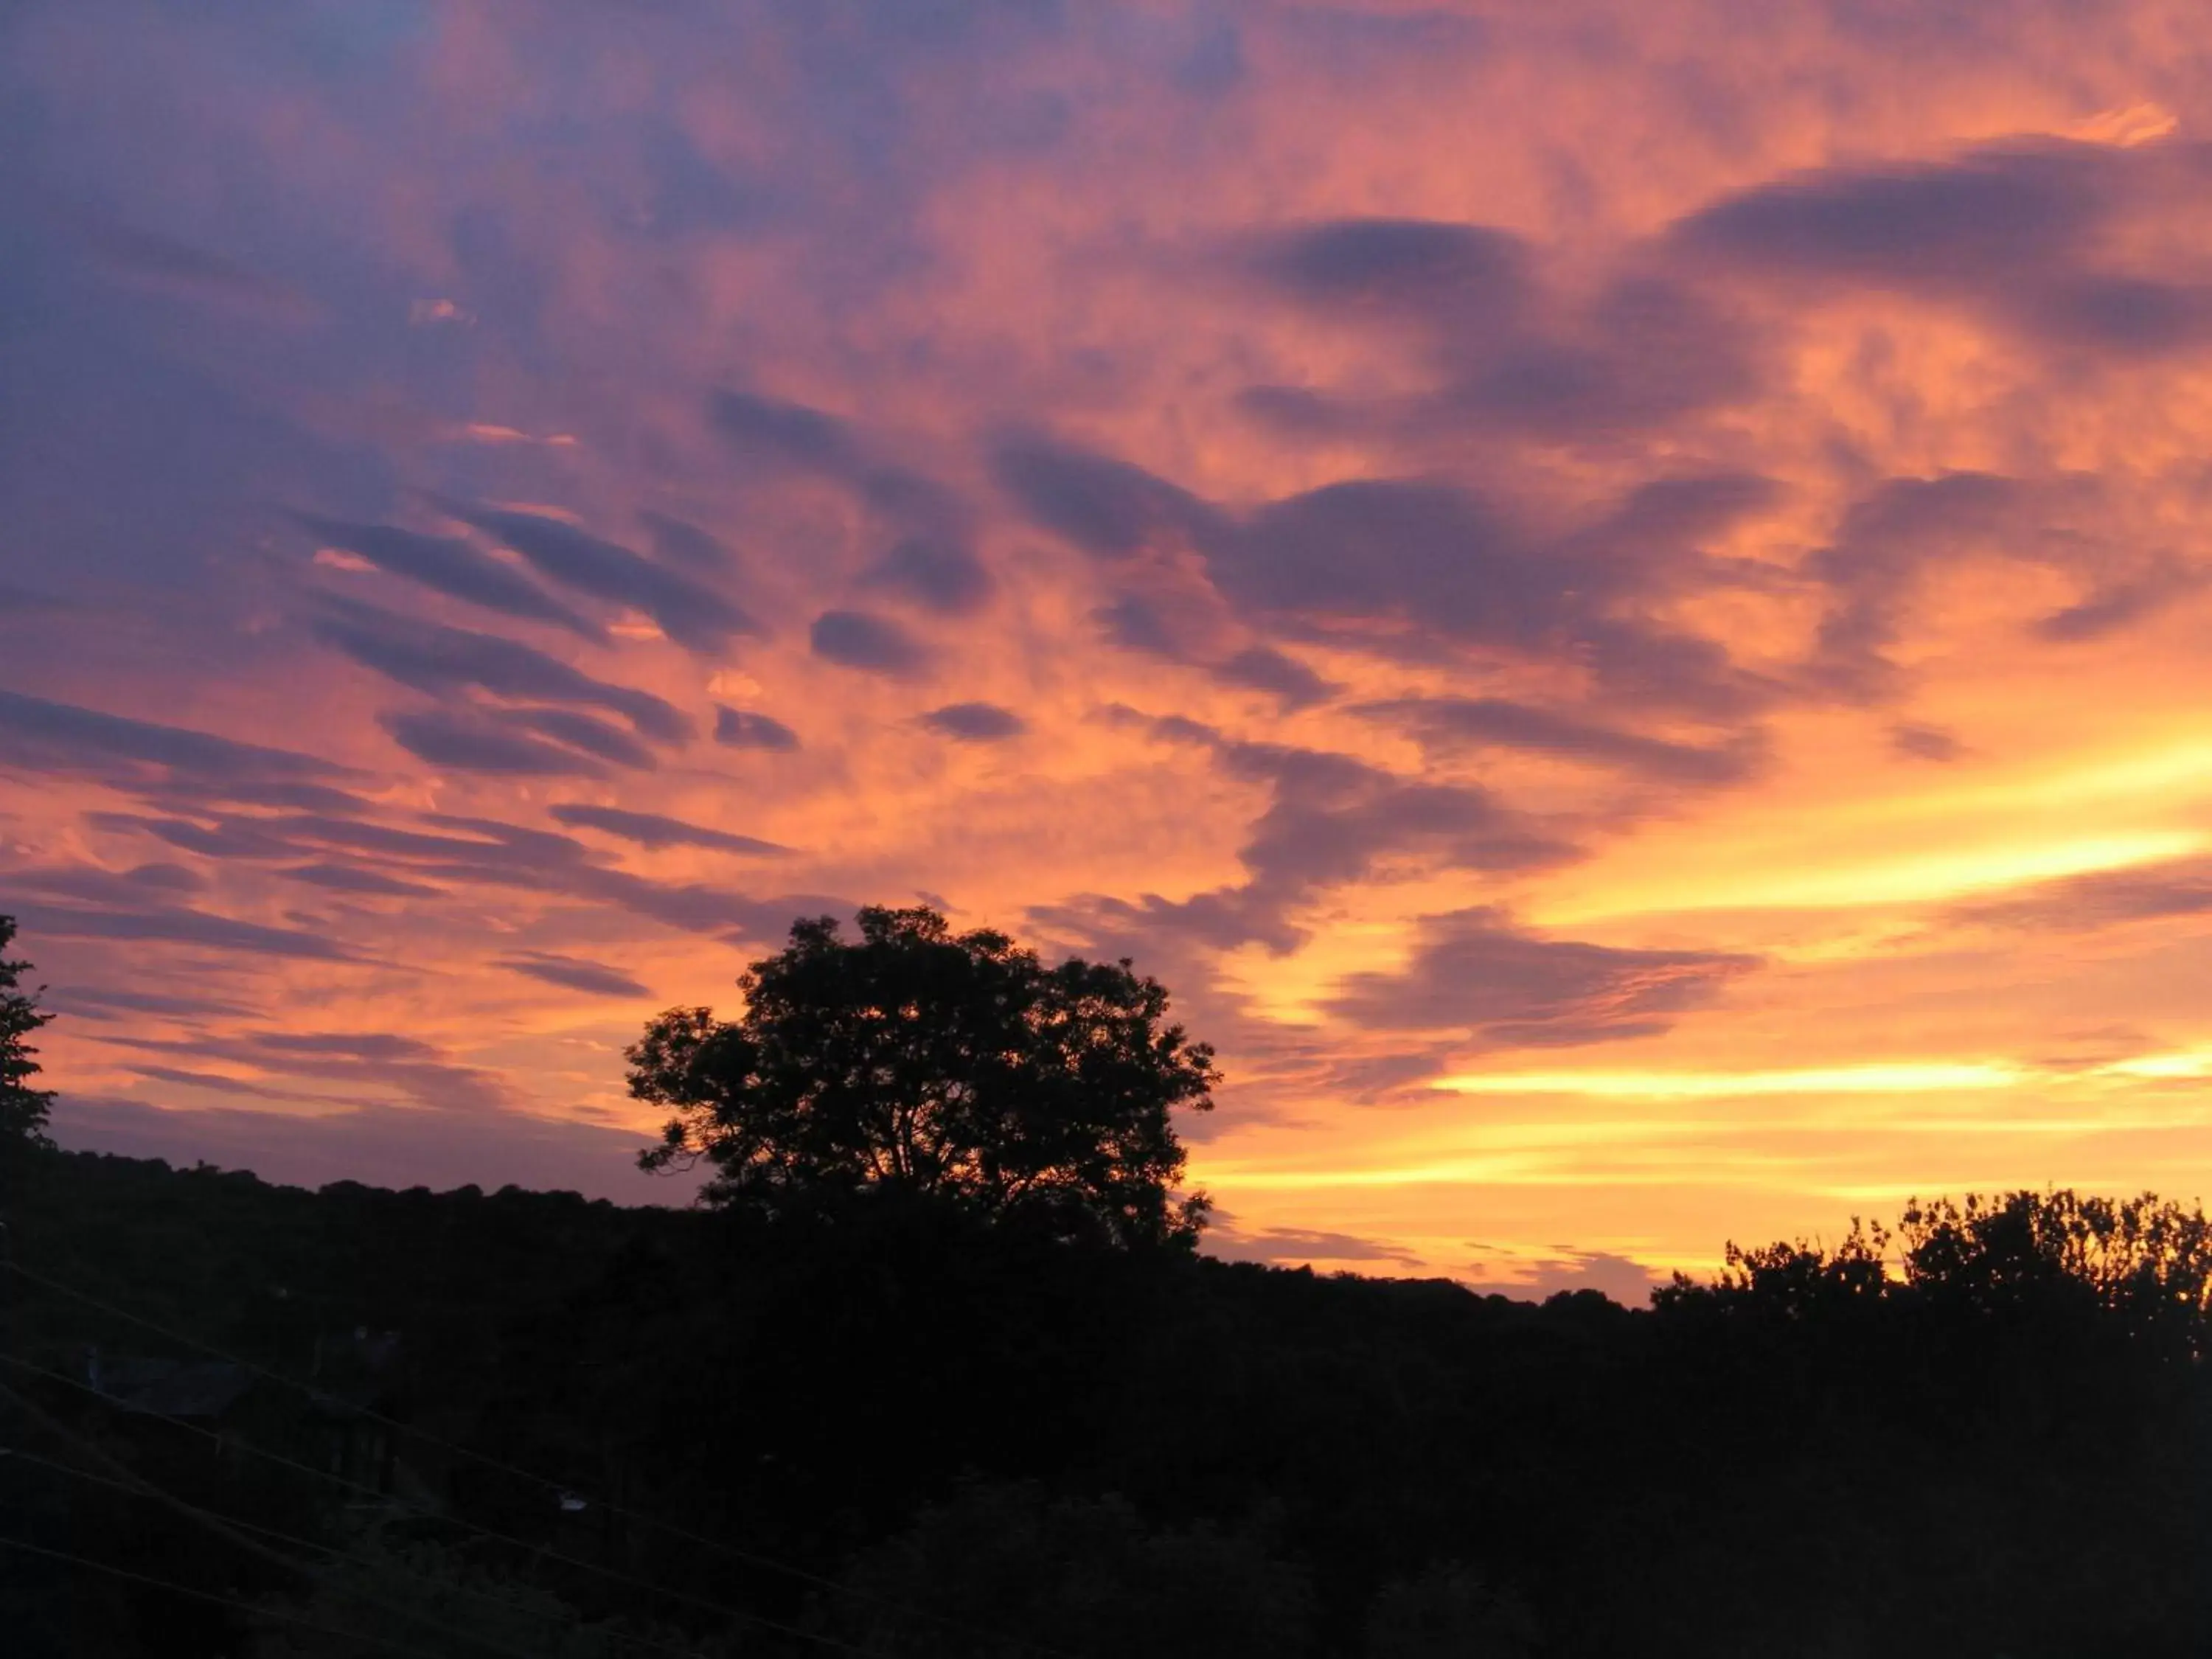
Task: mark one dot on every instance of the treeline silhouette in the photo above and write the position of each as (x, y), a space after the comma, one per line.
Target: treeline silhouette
(990, 1401)
(902, 1429)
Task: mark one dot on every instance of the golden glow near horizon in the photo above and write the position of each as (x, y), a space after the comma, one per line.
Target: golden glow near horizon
(1924, 1077)
(1643, 681)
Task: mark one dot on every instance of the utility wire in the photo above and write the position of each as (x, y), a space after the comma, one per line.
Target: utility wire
(430, 1512)
(17, 1454)
(748, 1557)
(175, 1589)
(217, 1525)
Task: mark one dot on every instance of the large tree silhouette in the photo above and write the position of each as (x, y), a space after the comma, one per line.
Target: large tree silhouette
(955, 1065)
(22, 1108)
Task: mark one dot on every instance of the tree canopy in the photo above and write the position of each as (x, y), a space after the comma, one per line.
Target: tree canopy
(954, 1065)
(2141, 1266)
(22, 1107)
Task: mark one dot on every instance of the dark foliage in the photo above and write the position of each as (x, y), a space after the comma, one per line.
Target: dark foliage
(998, 1572)
(23, 1109)
(912, 1428)
(953, 1067)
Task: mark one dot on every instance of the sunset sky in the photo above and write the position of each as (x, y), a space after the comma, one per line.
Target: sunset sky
(1614, 595)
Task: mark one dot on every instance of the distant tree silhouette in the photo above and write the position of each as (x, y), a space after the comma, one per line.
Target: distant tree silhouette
(955, 1066)
(22, 1108)
(2143, 1262)
(2141, 1267)
(1797, 1282)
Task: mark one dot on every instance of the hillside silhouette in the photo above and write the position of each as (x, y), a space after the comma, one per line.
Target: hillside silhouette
(934, 1371)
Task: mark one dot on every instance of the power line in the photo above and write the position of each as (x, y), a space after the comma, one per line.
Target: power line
(734, 1552)
(174, 1587)
(216, 1524)
(431, 1513)
(17, 1454)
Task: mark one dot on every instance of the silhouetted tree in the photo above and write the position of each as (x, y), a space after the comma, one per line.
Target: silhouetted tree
(957, 1067)
(1791, 1283)
(2141, 1267)
(22, 1108)
(2141, 1262)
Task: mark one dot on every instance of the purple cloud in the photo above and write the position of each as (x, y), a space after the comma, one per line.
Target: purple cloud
(1471, 970)
(654, 829)
(975, 722)
(689, 612)
(857, 638)
(746, 728)
(448, 565)
(574, 974)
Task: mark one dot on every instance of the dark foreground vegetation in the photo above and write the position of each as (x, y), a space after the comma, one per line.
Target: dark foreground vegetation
(894, 1429)
(885, 1414)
